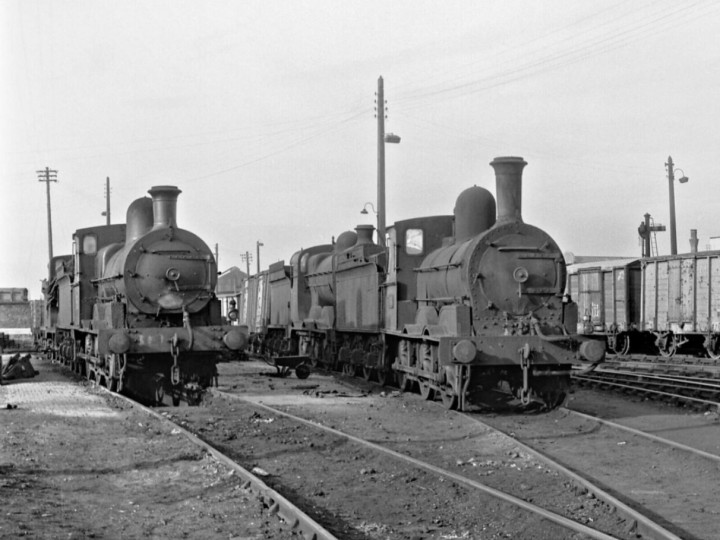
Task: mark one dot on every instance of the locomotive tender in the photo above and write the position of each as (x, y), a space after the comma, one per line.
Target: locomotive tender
(455, 304)
(133, 307)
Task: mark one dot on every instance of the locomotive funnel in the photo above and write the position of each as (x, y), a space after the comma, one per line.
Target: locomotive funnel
(164, 205)
(508, 181)
(364, 234)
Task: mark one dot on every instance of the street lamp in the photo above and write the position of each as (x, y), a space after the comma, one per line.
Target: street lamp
(364, 210)
(671, 178)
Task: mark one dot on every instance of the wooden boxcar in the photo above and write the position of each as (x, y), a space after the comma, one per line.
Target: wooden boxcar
(681, 302)
(608, 295)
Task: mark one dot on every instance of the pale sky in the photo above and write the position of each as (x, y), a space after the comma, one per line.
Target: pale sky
(261, 112)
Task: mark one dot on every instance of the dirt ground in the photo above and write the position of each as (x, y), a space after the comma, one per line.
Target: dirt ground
(75, 463)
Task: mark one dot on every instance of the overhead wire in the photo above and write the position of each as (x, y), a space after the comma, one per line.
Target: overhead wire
(285, 148)
(590, 47)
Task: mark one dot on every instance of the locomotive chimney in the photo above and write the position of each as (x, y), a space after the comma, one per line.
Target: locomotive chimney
(693, 241)
(508, 180)
(164, 205)
(364, 234)
(139, 219)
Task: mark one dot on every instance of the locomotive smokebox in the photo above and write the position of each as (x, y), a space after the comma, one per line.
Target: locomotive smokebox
(164, 205)
(508, 182)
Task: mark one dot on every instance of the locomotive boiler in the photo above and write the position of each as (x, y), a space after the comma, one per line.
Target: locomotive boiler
(135, 309)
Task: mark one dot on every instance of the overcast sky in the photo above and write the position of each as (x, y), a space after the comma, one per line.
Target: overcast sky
(261, 112)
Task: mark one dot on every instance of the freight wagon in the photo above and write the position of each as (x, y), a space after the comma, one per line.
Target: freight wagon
(656, 305)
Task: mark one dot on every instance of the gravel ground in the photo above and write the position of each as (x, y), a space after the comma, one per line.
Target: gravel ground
(75, 463)
(79, 464)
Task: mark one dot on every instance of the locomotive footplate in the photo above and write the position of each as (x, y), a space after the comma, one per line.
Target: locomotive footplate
(161, 340)
(505, 350)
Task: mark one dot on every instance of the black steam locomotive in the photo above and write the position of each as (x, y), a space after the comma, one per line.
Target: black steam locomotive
(457, 305)
(133, 307)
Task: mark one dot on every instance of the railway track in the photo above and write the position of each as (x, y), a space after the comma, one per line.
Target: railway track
(634, 523)
(679, 364)
(296, 519)
(693, 390)
(391, 455)
(650, 436)
(647, 472)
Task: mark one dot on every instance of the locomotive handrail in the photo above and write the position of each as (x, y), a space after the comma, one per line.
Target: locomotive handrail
(204, 258)
(437, 268)
(516, 248)
(108, 278)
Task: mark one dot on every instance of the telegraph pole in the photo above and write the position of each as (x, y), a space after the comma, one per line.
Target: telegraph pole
(380, 109)
(106, 213)
(248, 257)
(48, 175)
(258, 245)
(217, 256)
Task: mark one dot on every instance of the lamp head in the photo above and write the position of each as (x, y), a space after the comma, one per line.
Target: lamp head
(683, 179)
(365, 211)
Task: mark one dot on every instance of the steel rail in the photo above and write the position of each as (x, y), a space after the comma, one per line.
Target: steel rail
(641, 522)
(277, 504)
(677, 363)
(656, 382)
(699, 381)
(640, 433)
(646, 390)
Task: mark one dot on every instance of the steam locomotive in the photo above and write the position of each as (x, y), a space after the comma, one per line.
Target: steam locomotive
(133, 307)
(457, 305)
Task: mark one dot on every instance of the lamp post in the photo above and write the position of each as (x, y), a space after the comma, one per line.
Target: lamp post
(382, 139)
(671, 179)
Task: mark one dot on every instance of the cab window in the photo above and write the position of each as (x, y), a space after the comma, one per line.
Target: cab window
(89, 246)
(414, 241)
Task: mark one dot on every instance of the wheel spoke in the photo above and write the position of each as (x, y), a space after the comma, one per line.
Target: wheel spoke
(449, 399)
(426, 391)
(367, 373)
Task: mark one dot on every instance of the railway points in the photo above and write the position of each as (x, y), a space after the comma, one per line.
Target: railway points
(645, 466)
(700, 392)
